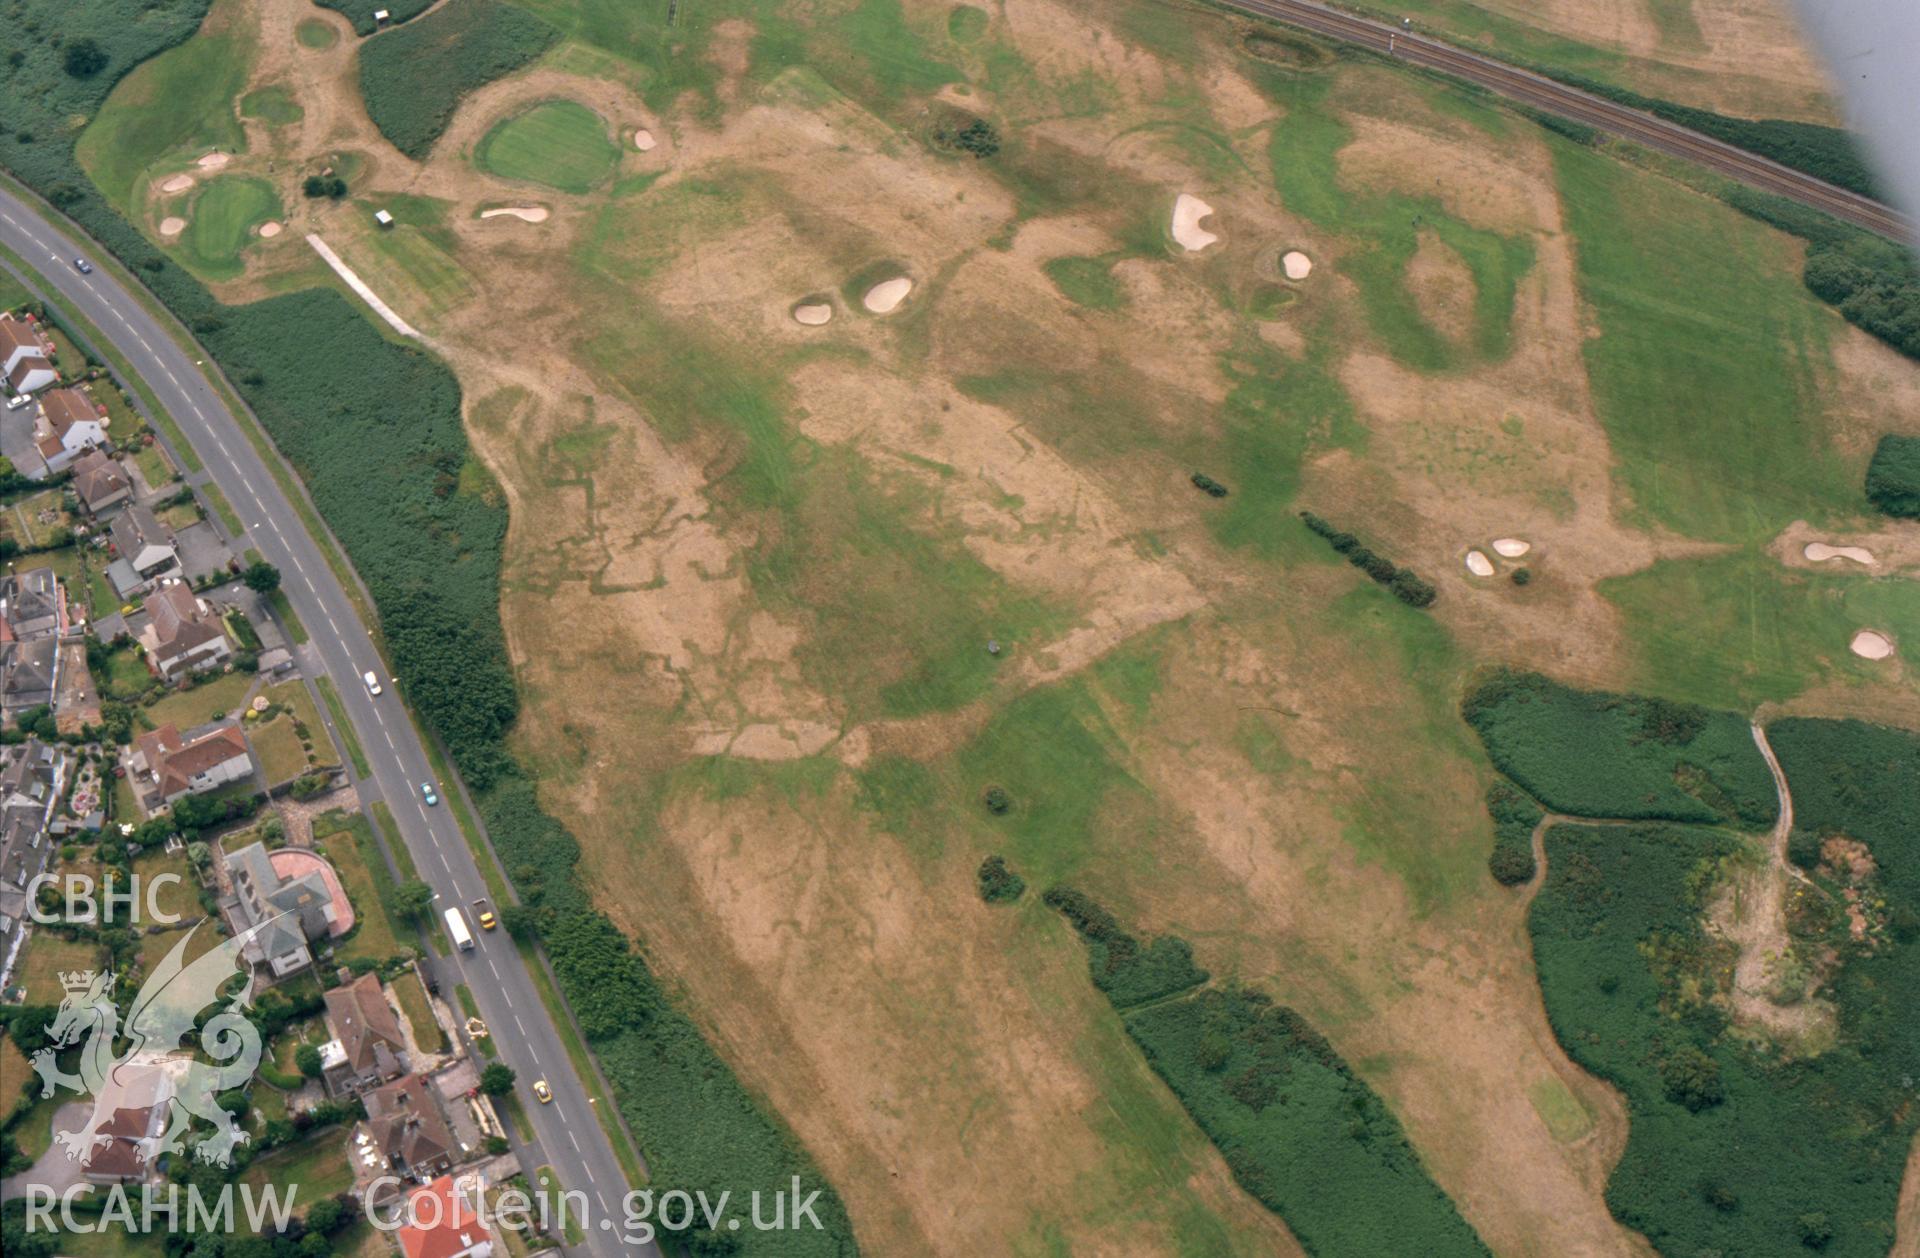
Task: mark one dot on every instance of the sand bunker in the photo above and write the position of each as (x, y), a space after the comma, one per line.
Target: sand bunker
(1818, 551)
(644, 141)
(887, 294)
(1296, 265)
(179, 183)
(1511, 547)
(525, 213)
(813, 314)
(269, 230)
(1478, 564)
(172, 226)
(213, 161)
(1187, 213)
(1869, 645)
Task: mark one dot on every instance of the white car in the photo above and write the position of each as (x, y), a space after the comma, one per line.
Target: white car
(18, 401)
(373, 683)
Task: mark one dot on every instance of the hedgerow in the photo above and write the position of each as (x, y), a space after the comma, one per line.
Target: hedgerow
(1310, 1140)
(1514, 818)
(414, 78)
(1406, 584)
(1873, 283)
(360, 12)
(375, 431)
(1594, 754)
(1893, 477)
(1128, 973)
(1733, 1146)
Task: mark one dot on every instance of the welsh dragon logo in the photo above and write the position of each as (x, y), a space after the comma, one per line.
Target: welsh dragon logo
(158, 1065)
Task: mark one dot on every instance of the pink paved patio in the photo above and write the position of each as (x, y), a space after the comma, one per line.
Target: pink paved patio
(290, 862)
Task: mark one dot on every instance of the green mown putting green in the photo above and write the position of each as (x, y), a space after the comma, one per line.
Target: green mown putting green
(221, 222)
(313, 33)
(557, 143)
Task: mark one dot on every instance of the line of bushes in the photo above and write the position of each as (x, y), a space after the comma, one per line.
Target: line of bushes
(360, 12)
(1128, 973)
(1407, 585)
(1590, 753)
(1514, 818)
(1299, 1130)
(414, 78)
(1893, 476)
(1874, 283)
(374, 429)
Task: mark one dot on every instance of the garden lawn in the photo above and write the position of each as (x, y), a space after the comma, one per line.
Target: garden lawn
(412, 999)
(278, 750)
(45, 958)
(354, 856)
(317, 1164)
(558, 143)
(223, 696)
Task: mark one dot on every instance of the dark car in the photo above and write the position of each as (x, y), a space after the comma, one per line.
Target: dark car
(83, 266)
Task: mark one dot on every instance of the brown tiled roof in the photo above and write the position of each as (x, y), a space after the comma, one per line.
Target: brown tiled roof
(178, 623)
(176, 762)
(17, 334)
(28, 364)
(66, 407)
(404, 1121)
(120, 1157)
(95, 476)
(362, 1018)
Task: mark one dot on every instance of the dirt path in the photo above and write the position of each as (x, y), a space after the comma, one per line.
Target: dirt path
(1906, 1216)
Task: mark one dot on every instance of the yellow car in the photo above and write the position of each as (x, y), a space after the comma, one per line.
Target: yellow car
(541, 1090)
(483, 913)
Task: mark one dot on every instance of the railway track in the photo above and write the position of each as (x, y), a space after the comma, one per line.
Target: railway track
(1545, 94)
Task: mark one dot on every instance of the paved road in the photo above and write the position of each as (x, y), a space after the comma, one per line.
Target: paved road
(569, 1137)
(1595, 111)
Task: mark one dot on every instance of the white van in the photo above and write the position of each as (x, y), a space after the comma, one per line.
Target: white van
(373, 683)
(457, 927)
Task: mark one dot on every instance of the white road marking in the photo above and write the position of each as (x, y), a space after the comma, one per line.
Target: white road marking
(572, 1140)
(447, 867)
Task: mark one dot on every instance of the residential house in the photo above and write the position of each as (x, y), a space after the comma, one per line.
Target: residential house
(122, 1158)
(448, 1227)
(20, 338)
(100, 482)
(405, 1132)
(162, 766)
(31, 374)
(182, 635)
(70, 424)
(290, 911)
(368, 1048)
(33, 776)
(29, 676)
(32, 606)
(146, 551)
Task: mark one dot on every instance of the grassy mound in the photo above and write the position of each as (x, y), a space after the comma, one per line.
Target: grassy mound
(1594, 754)
(414, 78)
(557, 143)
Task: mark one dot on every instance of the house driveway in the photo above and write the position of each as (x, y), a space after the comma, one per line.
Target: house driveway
(16, 442)
(202, 553)
(53, 1169)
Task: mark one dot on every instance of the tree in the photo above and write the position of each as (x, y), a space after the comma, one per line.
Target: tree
(412, 899)
(1692, 1078)
(307, 1058)
(85, 58)
(497, 1079)
(198, 854)
(521, 920)
(262, 577)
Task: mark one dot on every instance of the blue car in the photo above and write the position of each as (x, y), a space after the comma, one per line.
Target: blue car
(427, 793)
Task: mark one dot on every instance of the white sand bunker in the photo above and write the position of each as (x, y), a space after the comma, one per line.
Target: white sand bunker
(1478, 564)
(1296, 265)
(269, 230)
(1187, 213)
(1818, 551)
(812, 314)
(525, 213)
(1511, 547)
(1869, 645)
(644, 141)
(887, 294)
(172, 226)
(213, 161)
(179, 183)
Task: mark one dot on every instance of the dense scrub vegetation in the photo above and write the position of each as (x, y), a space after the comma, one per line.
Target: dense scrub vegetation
(1594, 754)
(1873, 283)
(1127, 972)
(1406, 584)
(360, 12)
(998, 883)
(1299, 1130)
(414, 78)
(1828, 153)
(1893, 477)
(1514, 818)
(375, 431)
(1735, 1147)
